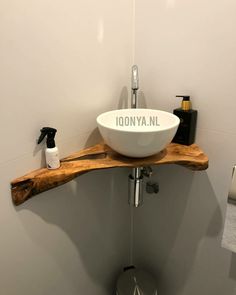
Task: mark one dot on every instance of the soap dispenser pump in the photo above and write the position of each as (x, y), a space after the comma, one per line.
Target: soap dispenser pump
(51, 152)
(188, 119)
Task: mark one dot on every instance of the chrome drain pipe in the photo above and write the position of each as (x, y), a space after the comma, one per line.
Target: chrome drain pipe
(136, 187)
(136, 182)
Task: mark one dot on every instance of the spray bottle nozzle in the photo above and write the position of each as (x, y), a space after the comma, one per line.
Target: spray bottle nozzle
(50, 133)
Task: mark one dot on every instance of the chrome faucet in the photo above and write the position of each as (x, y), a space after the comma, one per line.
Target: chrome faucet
(135, 87)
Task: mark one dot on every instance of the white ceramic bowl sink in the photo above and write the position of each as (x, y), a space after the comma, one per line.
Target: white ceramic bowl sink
(137, 133)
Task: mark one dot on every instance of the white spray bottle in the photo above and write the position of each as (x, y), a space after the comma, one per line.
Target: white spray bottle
(51, 152)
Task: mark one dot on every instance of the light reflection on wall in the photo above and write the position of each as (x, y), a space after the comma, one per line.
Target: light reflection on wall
(170, 3)
(100, 31)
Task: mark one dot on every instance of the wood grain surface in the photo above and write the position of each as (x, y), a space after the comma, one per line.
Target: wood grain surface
(101, 156)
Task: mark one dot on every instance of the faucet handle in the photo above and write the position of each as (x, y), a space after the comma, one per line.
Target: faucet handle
(147, 171)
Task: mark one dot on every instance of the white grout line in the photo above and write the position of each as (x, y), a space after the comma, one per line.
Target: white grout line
(133, 31)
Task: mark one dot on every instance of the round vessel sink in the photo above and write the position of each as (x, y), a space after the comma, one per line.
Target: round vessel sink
(137, 133)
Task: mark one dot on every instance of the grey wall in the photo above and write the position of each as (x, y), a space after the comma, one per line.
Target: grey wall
(187, 47)
(57, 68)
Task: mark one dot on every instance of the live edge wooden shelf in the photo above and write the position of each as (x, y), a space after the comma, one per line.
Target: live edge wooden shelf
(97, 157)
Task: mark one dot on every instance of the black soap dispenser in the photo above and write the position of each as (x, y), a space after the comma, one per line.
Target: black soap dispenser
(188, 119)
